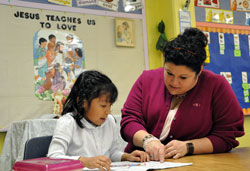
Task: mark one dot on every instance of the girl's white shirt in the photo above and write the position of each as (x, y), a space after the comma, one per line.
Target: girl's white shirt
(70, 141)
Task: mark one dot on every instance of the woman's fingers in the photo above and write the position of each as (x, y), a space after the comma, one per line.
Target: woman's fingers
(175, 149)
(156, 150)
(162, 154)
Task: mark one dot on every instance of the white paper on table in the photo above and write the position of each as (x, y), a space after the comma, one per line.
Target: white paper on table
(147, 166)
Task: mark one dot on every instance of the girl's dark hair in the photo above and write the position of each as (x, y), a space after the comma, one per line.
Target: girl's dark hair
(187, 49)
(89, 85)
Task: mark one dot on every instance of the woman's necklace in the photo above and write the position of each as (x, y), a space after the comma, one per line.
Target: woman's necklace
(181, 96)
(176, 100)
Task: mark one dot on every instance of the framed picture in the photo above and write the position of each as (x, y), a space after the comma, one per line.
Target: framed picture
(124, 32)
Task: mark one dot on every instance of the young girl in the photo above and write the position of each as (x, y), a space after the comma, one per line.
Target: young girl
(86, 131)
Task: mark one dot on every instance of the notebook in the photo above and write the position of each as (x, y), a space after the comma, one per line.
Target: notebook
(48, 164)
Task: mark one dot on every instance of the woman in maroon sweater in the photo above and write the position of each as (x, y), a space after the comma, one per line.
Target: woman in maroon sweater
(182, 109)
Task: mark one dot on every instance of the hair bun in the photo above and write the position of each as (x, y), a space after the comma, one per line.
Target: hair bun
(195, 37)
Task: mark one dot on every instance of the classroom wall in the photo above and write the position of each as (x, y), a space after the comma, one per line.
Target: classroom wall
(17, 91)
(245, 140)
(168, 11)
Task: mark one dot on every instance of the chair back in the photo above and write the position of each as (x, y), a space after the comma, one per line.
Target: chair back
(37, 147)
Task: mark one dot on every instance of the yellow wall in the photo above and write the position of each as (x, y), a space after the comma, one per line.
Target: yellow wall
(166, 10)
(245, 140)
(2, 136)
(153, 17)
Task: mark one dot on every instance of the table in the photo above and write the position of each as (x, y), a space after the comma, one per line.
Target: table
(18, 133)
(236, 160)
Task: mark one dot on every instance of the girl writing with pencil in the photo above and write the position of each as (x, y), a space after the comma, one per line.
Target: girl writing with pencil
(87, 131)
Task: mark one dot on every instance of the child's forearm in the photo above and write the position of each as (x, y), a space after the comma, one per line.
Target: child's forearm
(125, 157)
(100, 162)
(83, 160)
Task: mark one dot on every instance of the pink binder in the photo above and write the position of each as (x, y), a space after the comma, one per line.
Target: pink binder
(48, 164)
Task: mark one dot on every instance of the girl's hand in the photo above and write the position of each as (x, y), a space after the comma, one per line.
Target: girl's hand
(175, 149)
(100, 162)
(156, 150)
(139, 156)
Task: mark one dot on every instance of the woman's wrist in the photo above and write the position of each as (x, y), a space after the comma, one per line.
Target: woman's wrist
(147, 139)
(190, 148)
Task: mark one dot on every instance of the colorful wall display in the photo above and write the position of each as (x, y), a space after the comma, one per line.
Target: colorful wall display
(219, 16)
(58, 61)
(240, 5)
(229, 58)
(57, 52)
(62, 2)
(237, 51)
(248, 18)
(207, 3)
(81, 3)
(132, 5)
(207, 34)
(232, 66)
(111, 5)
(245, 86)
(221, 43)
(124, 6)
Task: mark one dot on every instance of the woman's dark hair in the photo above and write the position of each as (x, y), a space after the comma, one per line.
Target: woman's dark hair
(89, 85)
(187, 49)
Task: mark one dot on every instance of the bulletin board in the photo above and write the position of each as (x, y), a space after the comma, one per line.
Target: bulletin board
(95, 30)
(230, 63)
(232, 58)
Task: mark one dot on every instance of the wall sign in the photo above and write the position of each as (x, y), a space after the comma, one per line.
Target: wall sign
(240, 5)
(207, 3)
(185, 20)
(219, 16)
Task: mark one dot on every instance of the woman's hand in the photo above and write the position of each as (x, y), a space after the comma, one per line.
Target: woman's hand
(156, 150)
(138, 156)
(100, 162)
(175, 149)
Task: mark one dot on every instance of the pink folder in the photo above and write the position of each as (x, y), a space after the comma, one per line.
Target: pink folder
(48, 164)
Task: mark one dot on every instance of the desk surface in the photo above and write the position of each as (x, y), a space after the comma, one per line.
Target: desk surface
(236, 160)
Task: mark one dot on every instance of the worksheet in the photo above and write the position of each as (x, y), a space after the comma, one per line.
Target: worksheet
(136, 166)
